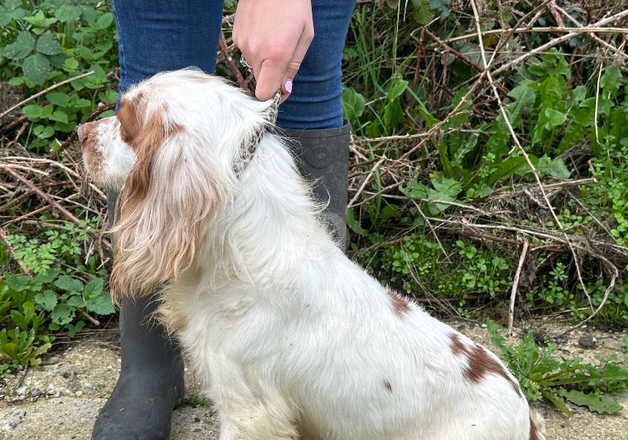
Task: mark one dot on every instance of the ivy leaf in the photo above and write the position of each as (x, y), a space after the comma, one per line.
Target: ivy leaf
(69, 284)
(62, 314)
(47, 300)
(36, 68)
(47, 44)
(21, 47)
(598, 403)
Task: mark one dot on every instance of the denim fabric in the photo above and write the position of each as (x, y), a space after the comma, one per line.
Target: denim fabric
(157, 35)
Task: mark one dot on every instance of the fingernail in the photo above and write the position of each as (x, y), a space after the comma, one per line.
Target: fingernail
(287, 86)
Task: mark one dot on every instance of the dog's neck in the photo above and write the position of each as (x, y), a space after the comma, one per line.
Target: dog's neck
(270, 223)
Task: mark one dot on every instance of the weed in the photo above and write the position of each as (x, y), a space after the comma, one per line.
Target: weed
(542, 376)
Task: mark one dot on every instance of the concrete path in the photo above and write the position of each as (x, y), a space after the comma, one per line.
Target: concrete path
(59, 400)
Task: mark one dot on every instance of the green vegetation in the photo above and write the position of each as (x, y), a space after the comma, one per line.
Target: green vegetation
(542, 376)
(442, 196)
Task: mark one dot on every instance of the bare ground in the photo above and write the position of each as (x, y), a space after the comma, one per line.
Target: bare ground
(59, 400)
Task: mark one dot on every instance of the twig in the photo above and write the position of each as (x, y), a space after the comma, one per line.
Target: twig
(543, 29)
(42, 194)
(591, 33)
(459, 54)
(3, 236)
(222, 44)
(609, 289)
(553, 42)
(46, 90)
(368, 177)
(515, 285)
(515, 139)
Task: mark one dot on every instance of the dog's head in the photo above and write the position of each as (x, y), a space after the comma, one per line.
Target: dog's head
(170, 152)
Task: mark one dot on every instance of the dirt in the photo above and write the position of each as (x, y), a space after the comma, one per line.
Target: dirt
(59, 400)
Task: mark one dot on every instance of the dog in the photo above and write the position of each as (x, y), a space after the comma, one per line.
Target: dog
(290, 338)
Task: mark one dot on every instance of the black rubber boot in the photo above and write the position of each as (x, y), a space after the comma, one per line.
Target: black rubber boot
(150, 384)
(322, 156)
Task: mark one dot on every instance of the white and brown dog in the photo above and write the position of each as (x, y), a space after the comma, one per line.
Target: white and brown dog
(290, 338)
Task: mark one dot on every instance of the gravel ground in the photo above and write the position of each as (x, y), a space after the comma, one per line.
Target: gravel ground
(60, 399)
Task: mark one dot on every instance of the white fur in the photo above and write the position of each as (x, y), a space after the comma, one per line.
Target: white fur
(288, 335)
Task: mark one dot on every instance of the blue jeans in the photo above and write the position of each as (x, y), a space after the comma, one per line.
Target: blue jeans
(157, 35)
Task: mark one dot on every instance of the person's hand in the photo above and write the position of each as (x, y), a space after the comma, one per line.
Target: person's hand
(273, 36)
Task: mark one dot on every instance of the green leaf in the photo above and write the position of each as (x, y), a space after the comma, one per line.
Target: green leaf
(36, 68)
(69, 284)
(62, 314)
(611, 79)
(104, 21)
(75, 301)
(354, 225)
(396, 89)
(47, 44)
(554, 118)
(58, 98)
(94, 287)
(71, 65)
(68, 13)
(506, 169)
(421, 12)
(109, 96)
(21, 47)
(47, 300)
(353, 104)
(40, 20)
(9, 11)
(32, 111)
(100, 305)
(552, 167)
(595, 402)
(43, 132)
(59, 116)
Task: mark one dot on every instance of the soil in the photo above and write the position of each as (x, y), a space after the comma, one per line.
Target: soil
(59, 400)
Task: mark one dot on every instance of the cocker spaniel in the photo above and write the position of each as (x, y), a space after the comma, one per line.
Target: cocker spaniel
(290, 338)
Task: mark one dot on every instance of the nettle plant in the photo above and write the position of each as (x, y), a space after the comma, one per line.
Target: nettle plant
(46, 42)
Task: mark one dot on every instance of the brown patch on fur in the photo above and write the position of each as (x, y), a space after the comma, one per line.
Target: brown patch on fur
(534, 432)
(480, 363)
(145, 138)
(92, 156)
(400, 304)
(129, 114)
(387, 385)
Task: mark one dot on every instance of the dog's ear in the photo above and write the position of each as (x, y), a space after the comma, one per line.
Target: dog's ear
(164, 206)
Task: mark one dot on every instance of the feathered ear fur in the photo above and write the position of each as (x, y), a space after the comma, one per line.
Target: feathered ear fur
(166, 202)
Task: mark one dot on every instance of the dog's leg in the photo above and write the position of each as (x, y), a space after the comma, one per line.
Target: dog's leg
(247, 407)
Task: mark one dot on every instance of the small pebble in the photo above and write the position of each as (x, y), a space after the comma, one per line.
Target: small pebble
(587, 341)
